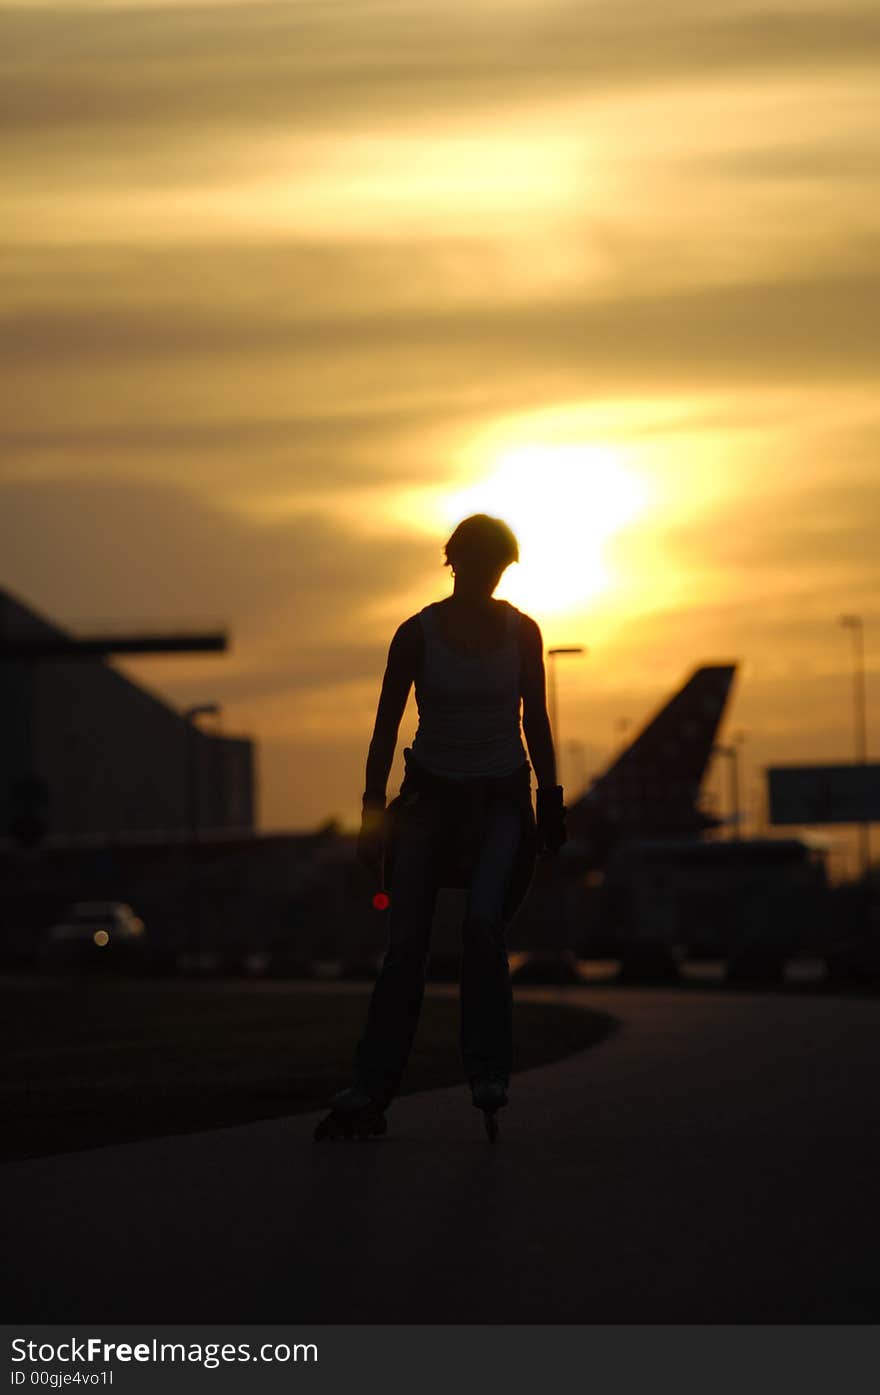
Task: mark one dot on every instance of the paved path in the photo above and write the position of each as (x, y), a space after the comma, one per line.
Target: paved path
(716, 1160)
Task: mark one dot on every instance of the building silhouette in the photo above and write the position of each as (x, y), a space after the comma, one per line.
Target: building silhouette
(85, 752)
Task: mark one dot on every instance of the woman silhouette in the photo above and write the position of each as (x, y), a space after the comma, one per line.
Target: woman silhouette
(463, 817)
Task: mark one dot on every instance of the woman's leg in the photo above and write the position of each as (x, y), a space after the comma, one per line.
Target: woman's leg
(396, 1000)
(486, 998)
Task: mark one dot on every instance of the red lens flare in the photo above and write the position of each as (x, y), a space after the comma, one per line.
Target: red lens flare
(381, 900)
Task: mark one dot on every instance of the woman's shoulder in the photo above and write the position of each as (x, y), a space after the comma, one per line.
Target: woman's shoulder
(528, 627)
(408, 630)
(414, 625)
(408, 641)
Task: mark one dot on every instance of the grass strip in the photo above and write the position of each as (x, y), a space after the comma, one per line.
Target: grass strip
(88, 1062)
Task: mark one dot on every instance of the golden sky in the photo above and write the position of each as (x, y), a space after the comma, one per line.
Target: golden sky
(289, 288)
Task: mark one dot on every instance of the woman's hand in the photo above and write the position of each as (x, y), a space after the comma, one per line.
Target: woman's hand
(371, 839)
(551, 818)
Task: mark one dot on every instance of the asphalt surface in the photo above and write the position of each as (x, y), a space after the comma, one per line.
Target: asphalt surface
(717, 1160)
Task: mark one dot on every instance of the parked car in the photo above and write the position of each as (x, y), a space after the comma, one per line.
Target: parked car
(95, 932)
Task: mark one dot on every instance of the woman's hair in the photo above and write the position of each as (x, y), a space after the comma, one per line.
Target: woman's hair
(484, 539)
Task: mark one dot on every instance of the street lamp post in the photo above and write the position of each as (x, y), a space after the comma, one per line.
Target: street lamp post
(202, 709)
(739, 738)
(860, 720)
(561, 916)
(576, 751)
(551, 692)
(732, 754)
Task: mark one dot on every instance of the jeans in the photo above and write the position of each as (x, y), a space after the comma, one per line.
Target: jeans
(430, 829)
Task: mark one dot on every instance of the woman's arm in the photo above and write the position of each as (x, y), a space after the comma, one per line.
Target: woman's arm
(536, 723)
(400, 673)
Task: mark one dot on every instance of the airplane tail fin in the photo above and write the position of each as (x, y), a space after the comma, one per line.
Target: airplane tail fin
(656, 781)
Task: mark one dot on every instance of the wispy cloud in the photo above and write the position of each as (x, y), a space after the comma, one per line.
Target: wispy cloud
(823, 325)
(226, 65)
(268, 267)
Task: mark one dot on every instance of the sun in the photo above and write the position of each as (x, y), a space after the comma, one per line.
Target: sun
(564, 502)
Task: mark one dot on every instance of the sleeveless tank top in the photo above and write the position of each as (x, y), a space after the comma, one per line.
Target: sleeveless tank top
(469, 705)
